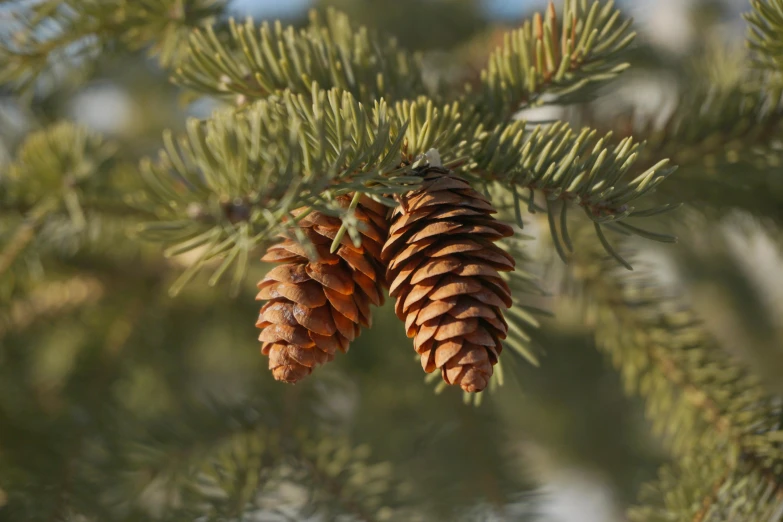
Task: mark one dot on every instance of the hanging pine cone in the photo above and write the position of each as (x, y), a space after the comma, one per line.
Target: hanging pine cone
(317, 302)
(443, 269)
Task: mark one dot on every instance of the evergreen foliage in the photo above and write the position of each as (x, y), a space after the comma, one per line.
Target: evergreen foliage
(44, 36)
(126, 390)
(701, 399)
(552, 56)
(765, 24)
(721, 132)
(258, 62)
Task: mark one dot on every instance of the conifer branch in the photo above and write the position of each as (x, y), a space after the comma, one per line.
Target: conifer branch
(24, 235)
(55, 175)
(554, 59)
(553, 161)
(702, 489)
(339, 477)
(343, 480)
(452, 128)
(724, 139)
(45, 36)
(62, 163)
(682, 367)
(255, 62)
(704, 401)
(765, 28)
(49, 300)
(723, 132)
(574, 169)
(231, 182)
(234, 471)
(332, 111)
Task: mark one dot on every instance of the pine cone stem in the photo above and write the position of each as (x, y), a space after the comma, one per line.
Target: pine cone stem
(443, 269)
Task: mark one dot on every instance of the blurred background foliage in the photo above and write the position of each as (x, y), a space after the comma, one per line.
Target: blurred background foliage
(119, 402)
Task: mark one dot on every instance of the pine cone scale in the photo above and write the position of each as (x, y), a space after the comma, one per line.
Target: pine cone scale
(469, 307)
(452, 286)
(373, 247)
(363, 306)
(330, 277)
(316, 320)
(343, 303)
(358, 261)
(328, 343)
(455, 246)
(435, 267)
(277, 333)
(433, 309)
(276, 313)
(446, 351)
(309, 293)
(409, 252)
(370, 229)
(403, 275)
(369, 288)
(344, 325)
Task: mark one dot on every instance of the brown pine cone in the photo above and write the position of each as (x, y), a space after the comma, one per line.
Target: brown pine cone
(318, 301)
(443, 269)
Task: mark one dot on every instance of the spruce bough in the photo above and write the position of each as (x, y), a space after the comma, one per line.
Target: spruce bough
(333, 152)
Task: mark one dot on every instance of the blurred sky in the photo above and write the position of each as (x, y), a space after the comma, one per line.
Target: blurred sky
(273, 8)
(663, 21)
(270, 8)
(495, 8)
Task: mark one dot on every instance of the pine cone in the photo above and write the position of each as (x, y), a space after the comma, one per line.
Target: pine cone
(318, 303)
(443, 269)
